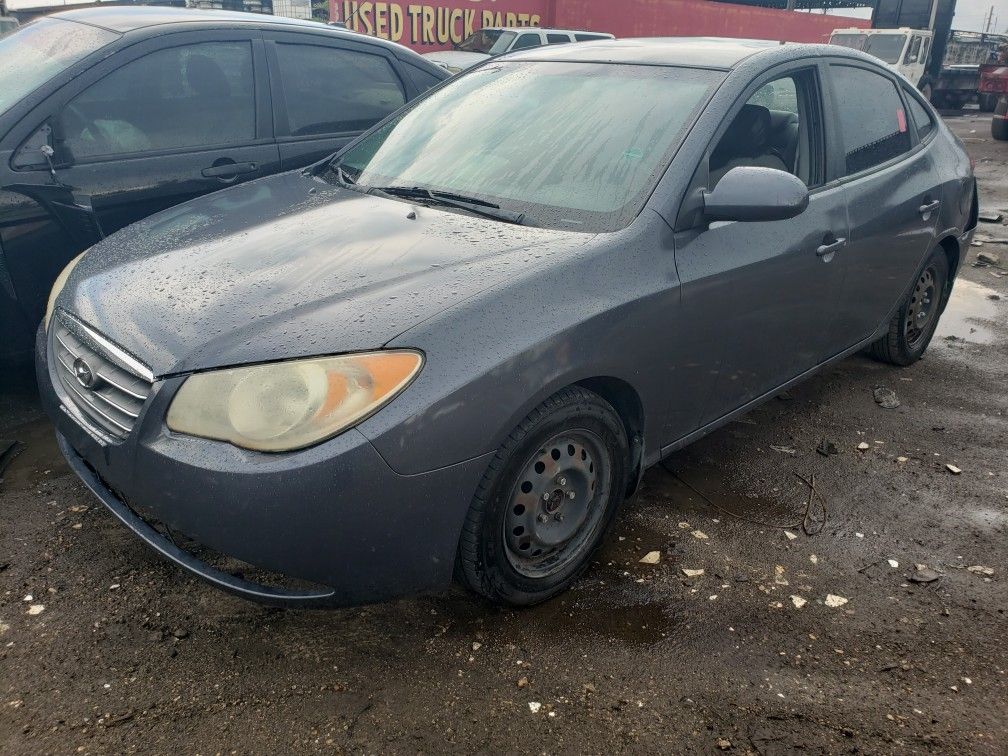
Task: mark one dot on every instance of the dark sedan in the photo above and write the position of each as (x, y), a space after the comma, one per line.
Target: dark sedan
(108, 115)
(453, 349)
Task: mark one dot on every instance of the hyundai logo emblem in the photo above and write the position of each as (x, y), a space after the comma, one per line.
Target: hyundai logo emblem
(83, 373)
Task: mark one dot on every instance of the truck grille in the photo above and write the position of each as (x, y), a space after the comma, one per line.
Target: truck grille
(107, 385)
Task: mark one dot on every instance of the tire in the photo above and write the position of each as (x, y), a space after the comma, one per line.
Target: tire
(509, 508)
(914, 324)
(999, 128)
(987, 103)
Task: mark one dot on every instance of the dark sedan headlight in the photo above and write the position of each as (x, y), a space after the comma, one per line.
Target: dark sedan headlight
(283, 406)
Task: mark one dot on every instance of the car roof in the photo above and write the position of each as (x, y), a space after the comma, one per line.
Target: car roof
(695, 52)
(125, 19)
(542, 29)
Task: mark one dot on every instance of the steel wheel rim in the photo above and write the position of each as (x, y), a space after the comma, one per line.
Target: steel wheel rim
(557, 504)
(923, 308)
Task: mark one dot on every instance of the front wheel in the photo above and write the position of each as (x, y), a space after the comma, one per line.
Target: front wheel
(546, 500)
(914, 324)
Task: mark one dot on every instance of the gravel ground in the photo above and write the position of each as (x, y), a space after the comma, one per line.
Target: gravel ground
(786, 641)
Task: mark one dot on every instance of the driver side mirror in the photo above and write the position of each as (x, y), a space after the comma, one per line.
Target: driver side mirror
(750, 193)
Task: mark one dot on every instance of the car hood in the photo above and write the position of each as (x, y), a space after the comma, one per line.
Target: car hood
(456, 58)
(289, 266)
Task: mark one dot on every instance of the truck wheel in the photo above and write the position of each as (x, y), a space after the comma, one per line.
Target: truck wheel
(999, 128)
(914, 324)
(987, 103)
(546, 500)
(940, 100)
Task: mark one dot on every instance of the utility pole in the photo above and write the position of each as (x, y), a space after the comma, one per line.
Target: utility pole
(990, 19)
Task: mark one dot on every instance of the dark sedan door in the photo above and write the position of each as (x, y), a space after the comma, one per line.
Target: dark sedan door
(328, 91)
(893, 195)
(758, 298)
(158, 123)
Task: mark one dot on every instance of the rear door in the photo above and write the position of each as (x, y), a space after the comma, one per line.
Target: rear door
(890, 179)
(328, 90)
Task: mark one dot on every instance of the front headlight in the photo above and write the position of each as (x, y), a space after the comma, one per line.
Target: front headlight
(283, 406)
(57, 287)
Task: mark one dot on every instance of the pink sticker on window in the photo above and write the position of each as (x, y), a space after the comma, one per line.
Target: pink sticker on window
(901, 119)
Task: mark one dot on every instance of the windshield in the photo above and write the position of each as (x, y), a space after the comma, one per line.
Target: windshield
(480, 42)
(576, 146)
(854, 41)
(37, 51)
(503, 43)
(886, 47)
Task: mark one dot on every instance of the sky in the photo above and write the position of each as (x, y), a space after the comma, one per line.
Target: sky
(970, 14)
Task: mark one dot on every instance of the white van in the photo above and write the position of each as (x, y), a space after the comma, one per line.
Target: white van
(904, 50)
(497, 40)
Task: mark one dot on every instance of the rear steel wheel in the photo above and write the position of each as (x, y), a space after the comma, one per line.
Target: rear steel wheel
(923, 308)
(913, 325)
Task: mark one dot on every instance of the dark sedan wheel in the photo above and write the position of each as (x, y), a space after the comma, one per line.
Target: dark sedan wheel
(912, 327)
(546, 500)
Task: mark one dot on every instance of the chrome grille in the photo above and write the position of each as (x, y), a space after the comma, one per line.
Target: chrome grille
(106, 385)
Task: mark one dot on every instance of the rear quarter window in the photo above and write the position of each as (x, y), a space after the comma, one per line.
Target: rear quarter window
(922, 119)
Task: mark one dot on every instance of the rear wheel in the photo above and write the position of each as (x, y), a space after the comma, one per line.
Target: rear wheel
(999, 128)
(987, 103)
(914, 324)
(545, 501)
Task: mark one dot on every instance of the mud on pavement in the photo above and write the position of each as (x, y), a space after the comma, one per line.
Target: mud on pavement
(867, 614)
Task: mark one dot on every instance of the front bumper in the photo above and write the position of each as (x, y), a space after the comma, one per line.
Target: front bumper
(335, 515)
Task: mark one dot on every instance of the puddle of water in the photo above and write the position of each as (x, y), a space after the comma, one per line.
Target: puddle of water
(967, 308)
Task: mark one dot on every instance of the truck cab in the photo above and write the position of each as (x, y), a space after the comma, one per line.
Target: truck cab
(904, 50)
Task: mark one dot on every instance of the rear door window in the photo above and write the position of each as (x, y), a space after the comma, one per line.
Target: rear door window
(558, 39)
(526, 41)
(198, 95)
(922, 119)
(873, 124)
(330, 90)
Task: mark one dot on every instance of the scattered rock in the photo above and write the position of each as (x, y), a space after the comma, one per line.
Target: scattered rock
(652, 557)
(700, 534)
(864, 446)
(724, 744)
(901, 460)
(893, 563)
(180, 633)
(784, 449)
(953, 469)
(987, 257)
(534, 706)
(924, 574)
(827, 448)
(798, 602)
(834, 602)
(886, 398)
(813, 558)
(476, 646)
(790, 536)
(990, 216)
(692, 573)
(684, 526)
(36, 609)
(979, 569)
(994, 297)
(522, 682)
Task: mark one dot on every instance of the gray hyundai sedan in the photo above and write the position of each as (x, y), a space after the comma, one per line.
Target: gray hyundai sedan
(451, 350)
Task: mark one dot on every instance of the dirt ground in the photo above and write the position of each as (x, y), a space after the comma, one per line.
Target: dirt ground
(787, 640)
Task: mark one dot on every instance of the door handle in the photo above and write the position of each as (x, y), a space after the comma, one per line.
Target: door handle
(228, 170)
(929, 207)
(828, 249)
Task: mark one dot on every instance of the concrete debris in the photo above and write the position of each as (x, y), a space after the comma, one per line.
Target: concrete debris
(953, 469)
(886, 398)
(700, 534)
(692, 573)
(924, 574)
(987, 257)
(36, 609)
(827, 448)
(864, 446)
(652, 557)
(990, 216)
(834, 602)
(979, 569)
(790, 536)
(813, 558)
(893, 563)
(534, 706)
(798, 602)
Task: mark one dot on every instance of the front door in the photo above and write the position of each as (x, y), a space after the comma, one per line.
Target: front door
(759, 298)
(157, 124)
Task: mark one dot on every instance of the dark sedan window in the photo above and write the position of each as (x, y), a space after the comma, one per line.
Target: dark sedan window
(873, 124)
(331, 91)
(422, 78)
(483, 134)
(192, 96)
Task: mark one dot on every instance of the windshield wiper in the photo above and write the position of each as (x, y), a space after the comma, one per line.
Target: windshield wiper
(472, 205)
(342, 176)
